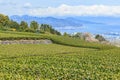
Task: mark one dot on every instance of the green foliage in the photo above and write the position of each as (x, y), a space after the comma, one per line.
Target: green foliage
(52, 62)
(34, 25)
(72, 59)
(4, 20)
(77, 35)
(56, 39)
(78, 43)
(100, 38)
(66, 34)
(9, 25)
(47, 28)
(23, 25)
(14, 24)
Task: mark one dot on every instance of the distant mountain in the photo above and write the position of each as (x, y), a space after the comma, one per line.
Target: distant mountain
(106, 26)
(55, 22)
(92, 24)
(69, 23)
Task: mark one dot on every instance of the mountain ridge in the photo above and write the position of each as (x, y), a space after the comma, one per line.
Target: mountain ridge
(70, 24)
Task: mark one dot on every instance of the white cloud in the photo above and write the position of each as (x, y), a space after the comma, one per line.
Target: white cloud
(27, 5)
(63, 10)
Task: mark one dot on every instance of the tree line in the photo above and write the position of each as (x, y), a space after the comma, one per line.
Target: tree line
(7, 24)
(83, 36)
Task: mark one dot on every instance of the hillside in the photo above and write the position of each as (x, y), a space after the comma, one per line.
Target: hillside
(67, 58)
(9, 35)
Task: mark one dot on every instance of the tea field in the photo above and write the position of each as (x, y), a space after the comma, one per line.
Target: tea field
(67, 59)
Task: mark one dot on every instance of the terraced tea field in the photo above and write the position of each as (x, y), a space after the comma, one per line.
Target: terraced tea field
(68, 59)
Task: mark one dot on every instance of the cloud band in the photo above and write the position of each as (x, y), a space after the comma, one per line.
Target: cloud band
(82, 10)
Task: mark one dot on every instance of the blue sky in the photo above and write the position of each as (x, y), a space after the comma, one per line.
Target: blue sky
(60, 7)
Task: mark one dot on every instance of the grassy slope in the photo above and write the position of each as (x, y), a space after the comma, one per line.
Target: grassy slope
(27, 62)
(56, 39)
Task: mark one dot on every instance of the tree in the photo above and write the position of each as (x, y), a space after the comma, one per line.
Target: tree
(34, 25)
(4, 20)
(45, 28)
(78, 35)
(14, 24)
(66, 34)
(23, 25)
(100, 38)
(42, 28)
